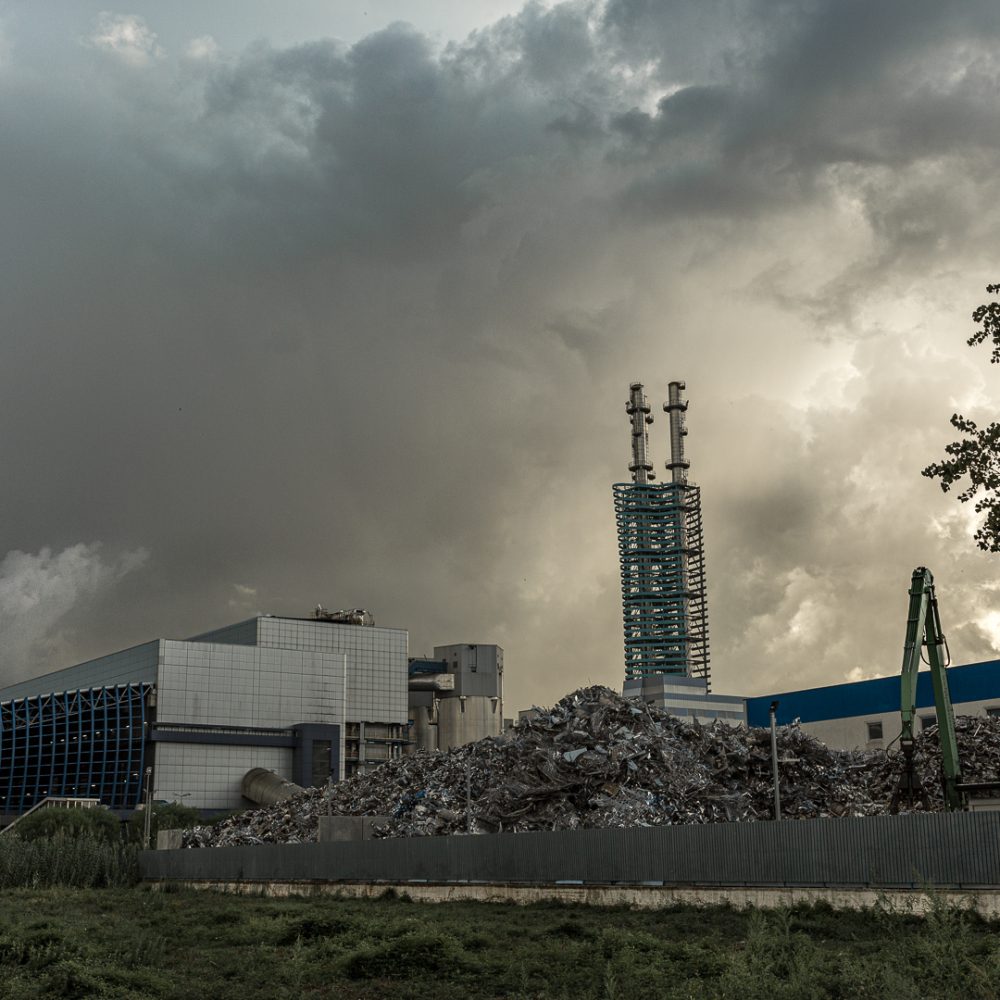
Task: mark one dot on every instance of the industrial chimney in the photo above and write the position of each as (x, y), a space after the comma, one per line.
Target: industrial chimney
(638, 409)
(661, 552)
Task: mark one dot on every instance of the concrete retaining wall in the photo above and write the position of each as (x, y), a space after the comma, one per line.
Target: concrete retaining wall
(915, 901)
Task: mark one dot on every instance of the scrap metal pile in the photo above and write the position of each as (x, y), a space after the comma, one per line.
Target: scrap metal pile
(598, 760)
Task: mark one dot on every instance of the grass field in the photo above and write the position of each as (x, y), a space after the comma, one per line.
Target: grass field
(139, 943)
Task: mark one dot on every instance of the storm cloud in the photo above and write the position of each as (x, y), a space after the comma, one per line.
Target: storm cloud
(354, 322)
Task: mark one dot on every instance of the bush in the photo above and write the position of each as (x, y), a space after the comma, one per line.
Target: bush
(416, 953)
(45, 824)
(166, 816)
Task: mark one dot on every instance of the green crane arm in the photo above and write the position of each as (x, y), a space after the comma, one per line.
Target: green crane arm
(923, 628)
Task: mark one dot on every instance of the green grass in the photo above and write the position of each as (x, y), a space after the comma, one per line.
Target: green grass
(139, 943)
(83, 862)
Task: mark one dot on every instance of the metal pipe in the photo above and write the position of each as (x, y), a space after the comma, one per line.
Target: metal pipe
(676, 406)
(432, 682)
(638, 409)
(267, 788)
(343, 730)
(774, 760)
(468, 799)
(148, 818)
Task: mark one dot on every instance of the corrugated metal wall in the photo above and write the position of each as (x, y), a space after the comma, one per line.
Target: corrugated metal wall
(959, 850)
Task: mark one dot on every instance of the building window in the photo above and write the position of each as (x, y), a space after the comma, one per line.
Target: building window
(874, 731)
(926, 721)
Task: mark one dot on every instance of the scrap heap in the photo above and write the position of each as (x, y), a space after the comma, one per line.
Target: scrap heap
(598, 760)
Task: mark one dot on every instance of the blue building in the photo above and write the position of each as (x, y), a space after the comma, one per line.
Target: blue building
(866, 713)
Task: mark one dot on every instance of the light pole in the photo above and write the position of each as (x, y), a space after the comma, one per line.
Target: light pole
(774, 760)
(148, 818)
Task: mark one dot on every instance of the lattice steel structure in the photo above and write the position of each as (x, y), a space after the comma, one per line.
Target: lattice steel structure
(662, 555)
(88, 743)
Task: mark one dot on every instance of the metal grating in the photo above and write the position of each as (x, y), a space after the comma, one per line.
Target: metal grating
(662, 557)
(76, 743)
(960, 850)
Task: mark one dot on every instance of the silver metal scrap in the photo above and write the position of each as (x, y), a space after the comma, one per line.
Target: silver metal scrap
(598, 760)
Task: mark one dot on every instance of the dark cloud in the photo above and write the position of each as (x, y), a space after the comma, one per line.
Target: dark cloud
(354, 324)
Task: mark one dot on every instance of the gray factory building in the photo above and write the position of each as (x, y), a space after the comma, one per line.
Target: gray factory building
(311, 699)
(687, 698)
(456, 696)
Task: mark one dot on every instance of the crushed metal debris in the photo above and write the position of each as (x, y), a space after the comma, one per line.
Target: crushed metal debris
(598, 760)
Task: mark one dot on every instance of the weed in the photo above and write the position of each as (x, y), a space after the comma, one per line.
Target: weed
(141, 950)
(123, 942)
(81, 862)
(311, 928)
(571, 929)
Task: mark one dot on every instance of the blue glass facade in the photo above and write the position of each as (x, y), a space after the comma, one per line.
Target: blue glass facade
(661, 553)
(89, 743)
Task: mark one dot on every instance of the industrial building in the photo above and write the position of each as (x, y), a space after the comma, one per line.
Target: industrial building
(849, 716)
(313, 699)
(456, 696)
(866, 713)
(687, 698)
(662, 558)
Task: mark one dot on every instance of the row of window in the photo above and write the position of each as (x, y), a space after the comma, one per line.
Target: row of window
(876, 729)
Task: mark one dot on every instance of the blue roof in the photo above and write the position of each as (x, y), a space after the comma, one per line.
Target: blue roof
(972, 682)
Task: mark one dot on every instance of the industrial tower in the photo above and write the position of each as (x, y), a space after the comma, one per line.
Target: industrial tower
(661, 551)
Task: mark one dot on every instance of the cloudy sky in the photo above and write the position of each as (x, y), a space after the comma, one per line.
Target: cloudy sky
(333, 302)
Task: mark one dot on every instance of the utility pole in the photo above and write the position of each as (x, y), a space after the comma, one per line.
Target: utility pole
(774, 760)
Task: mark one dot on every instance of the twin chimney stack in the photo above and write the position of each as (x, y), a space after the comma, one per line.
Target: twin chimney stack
(639, 413)
(661, 551)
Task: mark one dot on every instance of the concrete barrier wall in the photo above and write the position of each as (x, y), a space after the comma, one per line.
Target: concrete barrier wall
(985, 902)
(960, 850)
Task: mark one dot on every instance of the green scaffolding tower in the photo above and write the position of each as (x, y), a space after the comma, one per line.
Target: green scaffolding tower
(661, 552)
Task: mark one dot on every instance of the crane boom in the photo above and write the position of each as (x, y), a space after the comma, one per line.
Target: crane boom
(923, 628)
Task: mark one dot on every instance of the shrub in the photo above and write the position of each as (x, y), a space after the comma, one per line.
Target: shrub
(412, 954)
(45, 824)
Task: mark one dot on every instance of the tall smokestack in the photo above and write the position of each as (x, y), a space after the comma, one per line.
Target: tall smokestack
(638, 409)
(676, 406)
(661, 553)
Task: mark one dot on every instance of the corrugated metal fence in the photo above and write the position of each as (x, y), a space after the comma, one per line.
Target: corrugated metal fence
(959, 850)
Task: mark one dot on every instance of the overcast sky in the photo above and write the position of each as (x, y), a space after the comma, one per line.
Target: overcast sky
(333, 302)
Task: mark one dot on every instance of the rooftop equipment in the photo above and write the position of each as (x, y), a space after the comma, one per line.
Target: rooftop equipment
(346, 616)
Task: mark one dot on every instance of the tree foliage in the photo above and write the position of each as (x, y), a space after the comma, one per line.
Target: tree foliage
(977, 454)
(166, 816)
